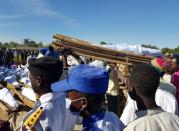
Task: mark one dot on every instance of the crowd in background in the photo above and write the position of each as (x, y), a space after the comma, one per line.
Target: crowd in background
(9, 57)
(152, 90)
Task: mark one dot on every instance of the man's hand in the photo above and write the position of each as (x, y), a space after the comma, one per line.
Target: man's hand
(66, 51)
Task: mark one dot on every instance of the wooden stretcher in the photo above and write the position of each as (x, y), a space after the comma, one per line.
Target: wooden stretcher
(89, 50)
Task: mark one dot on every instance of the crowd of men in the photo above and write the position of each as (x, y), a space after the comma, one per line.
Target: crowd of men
(80, 98)
(9, 57)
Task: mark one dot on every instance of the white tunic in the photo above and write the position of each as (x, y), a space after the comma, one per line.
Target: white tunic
(154, 120)
(54, 117)
(167, 101)
(167, 86)
(163, 99)
(167, 78)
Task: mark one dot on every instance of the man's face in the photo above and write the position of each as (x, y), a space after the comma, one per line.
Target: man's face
(77, 102)
(174, 66)
(168, 65)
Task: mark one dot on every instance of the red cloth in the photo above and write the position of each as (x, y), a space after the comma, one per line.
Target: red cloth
(158, 63)
(175, 81)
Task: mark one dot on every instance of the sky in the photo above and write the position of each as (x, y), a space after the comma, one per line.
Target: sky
(153, 22)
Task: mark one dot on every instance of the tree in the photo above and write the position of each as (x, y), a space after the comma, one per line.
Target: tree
(40, 44)
(150, 46)
(165, 50)
(173, 51)
(6, 44)
(13, 44)
(46, 46)
(32, 44)
(103, 43)
(177, 50)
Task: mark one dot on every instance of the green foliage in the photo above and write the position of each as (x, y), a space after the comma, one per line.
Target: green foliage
(40, 44)
(103, 43)
(6, 44)
(173, 51)
(150, 46)
(32, 44)
(46, 46)
(13, 44)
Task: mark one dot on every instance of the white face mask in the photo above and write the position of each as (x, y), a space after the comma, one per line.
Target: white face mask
(68, 105)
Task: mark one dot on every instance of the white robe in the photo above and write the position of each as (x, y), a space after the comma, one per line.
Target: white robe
(163, 99)
(154, 120)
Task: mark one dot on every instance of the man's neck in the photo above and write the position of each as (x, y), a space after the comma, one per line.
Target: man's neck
(38, 95)
(146, 103)
(168, 73)
(87, 113)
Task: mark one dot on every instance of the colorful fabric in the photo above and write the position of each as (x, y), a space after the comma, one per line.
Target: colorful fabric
(158, 63)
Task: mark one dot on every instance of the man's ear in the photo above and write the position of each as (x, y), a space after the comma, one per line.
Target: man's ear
(132, 92)
(85, 102)
(39, 81)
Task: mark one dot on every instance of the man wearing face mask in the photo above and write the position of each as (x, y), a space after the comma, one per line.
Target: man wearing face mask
(48, 113)
(86, 87)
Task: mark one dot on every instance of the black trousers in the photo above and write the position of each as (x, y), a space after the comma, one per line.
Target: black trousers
(112, 103)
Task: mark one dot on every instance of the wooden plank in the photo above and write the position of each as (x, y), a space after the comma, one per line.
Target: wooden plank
(84, 44)
(98, 55)
(4, 115)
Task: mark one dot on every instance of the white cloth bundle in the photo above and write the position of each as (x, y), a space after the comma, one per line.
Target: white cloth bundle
(72, 61)
(25, 80)
(137, 49)
(10, 79)
(29, 93)
(15, 83)
(3, 68)
(97, 63)
(7, 97)
(19, 69)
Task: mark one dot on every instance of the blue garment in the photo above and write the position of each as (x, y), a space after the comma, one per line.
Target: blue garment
(43, 50)
(89, 123)
(52, 54)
